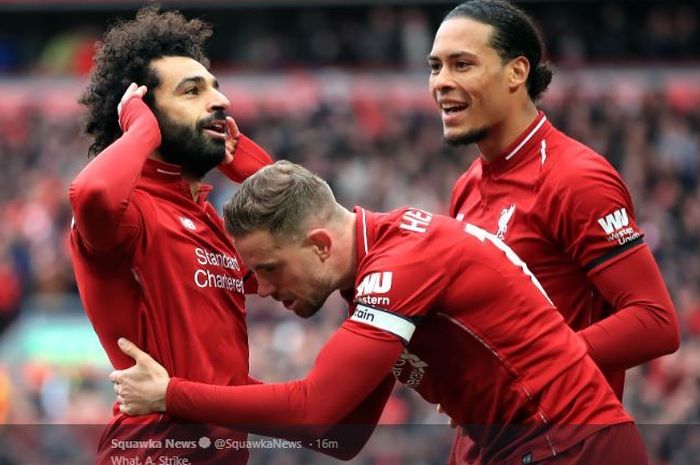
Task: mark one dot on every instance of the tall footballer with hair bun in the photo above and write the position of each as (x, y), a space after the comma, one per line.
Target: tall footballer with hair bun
(558, 204)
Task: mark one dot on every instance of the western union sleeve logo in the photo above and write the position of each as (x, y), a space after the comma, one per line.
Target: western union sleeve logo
(375, 283)
(614, 221)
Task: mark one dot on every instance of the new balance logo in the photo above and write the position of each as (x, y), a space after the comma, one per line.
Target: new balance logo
(188, 223)
(375, 283)
(614, 221)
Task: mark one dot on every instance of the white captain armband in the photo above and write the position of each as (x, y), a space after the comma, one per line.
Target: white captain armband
(386, 321)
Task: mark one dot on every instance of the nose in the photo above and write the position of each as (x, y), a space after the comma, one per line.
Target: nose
(265, 288)
(218, 101)
(442, 81)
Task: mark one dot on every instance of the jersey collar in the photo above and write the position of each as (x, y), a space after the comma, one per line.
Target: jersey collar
(163, 173)
(525, 144)
(364, 229)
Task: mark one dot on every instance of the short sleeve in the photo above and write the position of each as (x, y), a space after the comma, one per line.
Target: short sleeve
(591, 211)
(399, 282)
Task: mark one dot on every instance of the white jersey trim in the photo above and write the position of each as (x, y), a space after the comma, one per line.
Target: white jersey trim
(364, 230)
(527, 138)
(385, 321)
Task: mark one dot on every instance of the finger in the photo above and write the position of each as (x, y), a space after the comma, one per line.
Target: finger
(131, 349)
(440, 409)
(233, 130)
(141, 91)
(127, 93)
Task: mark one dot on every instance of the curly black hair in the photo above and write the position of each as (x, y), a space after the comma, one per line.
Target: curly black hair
(125, 56)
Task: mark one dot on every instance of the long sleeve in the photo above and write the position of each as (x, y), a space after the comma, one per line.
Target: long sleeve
(644, 325)
(347, 370)
(248, 158)
(100, 194)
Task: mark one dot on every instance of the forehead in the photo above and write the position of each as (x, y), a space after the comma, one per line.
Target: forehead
(462, 34)
(172, 70)
(258, 247)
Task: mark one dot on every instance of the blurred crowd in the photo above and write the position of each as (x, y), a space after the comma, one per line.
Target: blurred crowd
(380, 157)
(377, 153)
(60, 42)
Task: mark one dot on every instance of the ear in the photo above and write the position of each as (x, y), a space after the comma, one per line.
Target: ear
(518, 71)
(321, 241)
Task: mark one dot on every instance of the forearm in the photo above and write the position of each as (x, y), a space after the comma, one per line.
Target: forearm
(644, 325)
(100, 194)
(329, 393)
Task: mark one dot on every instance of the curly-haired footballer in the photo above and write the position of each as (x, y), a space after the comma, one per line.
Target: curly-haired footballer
(151, 258)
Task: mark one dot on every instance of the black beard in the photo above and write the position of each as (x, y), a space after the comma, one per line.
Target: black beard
(189, 147)
(471, 137)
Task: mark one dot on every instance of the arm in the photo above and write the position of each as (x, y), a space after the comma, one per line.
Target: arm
(100, 195)
(595, 223)
(349, 367)
(644, 325)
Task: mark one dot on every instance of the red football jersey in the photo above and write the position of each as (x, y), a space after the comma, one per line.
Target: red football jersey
(482, 338)
(163, 274)
(449, 310)
(564, 211)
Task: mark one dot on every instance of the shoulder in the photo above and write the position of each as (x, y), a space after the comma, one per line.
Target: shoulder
(409, 236)
(573, 169)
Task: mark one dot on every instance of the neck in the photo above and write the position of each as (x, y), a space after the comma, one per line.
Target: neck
(346, 247)
(502, 135)
(195, 183)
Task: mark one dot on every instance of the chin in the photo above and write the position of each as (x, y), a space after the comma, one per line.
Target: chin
(465, 136)
(308, 309)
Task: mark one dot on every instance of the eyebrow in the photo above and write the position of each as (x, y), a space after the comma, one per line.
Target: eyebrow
(196, 80)
(262, 265)
(453, 55)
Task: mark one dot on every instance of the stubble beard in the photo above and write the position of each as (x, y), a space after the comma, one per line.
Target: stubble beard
(470, 137)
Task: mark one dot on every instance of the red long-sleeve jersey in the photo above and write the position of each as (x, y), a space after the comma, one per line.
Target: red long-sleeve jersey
(567, 214)
(157, 267)
(452, 312)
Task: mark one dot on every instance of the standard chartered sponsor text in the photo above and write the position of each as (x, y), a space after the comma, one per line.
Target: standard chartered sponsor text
(206, 257)
(206, 278)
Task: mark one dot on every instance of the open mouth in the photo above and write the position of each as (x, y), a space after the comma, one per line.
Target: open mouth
(452, 109)
(216, 129)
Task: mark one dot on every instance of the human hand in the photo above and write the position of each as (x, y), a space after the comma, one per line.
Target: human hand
(131, 108)
(141, 388)
(233, 134)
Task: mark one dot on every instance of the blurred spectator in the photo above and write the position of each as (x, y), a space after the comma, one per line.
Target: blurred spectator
(578, 33)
